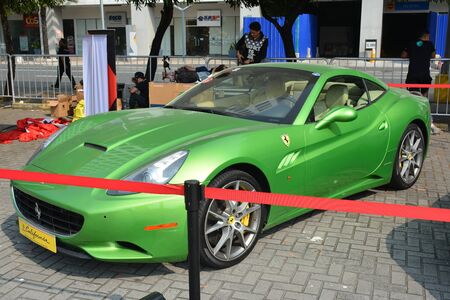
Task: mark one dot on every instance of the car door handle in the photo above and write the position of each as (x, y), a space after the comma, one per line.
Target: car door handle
(383, 125)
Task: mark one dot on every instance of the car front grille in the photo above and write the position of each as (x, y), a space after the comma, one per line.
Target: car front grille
(55, 219)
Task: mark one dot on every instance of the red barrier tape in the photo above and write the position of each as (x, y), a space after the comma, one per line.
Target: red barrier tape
(100, 183)
(418, 85)
(375, 208)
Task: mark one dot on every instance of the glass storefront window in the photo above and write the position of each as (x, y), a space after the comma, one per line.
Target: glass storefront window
(202, 40)
(24, 40)
(82, 26)
(228, 33)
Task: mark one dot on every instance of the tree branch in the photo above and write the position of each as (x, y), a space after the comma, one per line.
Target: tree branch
(270, 19)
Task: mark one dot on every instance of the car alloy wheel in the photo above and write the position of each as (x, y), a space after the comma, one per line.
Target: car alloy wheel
(230, 228)
(410, 156)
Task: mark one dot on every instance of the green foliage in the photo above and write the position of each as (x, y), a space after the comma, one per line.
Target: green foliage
(139, 4)
(28, 6)
(275, 8)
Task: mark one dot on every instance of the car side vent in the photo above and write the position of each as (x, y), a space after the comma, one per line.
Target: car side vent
(131, 246)
(97, 147)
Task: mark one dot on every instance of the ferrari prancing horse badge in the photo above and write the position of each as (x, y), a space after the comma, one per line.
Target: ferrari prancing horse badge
(286, 140)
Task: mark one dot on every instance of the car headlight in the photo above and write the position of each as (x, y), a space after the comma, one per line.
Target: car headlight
(160, 171)
(46, 143)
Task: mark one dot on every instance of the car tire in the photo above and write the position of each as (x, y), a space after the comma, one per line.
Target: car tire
(409, 158)
(227, 233)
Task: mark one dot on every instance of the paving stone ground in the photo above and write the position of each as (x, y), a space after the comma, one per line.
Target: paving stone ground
(356, 257)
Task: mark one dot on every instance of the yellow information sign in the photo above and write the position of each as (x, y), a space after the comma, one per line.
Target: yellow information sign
(37, 236)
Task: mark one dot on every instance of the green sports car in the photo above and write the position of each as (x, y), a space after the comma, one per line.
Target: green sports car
(284, 128)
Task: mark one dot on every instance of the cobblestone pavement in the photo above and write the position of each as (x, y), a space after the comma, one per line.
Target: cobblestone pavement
(351, 257)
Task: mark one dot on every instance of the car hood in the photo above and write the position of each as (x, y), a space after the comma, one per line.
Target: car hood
(112, 144)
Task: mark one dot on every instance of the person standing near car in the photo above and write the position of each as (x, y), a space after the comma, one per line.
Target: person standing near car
(252, 47)
(64, 64)
(419, 53)
(139, 93)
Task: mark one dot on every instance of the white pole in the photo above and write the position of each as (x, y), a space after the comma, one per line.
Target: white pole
(41, 36)
(102, 13)
(183, 32)
(183, 27)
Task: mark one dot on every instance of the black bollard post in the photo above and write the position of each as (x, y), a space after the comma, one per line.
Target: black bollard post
(193, 193)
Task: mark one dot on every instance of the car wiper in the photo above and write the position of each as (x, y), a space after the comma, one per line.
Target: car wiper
(200, 109)
(170, 106)
(209, 110)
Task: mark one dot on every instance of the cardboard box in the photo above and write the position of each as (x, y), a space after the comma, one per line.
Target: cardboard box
(62, 98)
(58, 108)
(163, 93)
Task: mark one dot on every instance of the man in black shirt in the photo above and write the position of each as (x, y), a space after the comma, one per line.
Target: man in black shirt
(64, 64)
(419, 54)
(252, 47)
(139, 93)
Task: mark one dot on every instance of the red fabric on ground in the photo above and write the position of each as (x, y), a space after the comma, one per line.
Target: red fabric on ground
(29, 129)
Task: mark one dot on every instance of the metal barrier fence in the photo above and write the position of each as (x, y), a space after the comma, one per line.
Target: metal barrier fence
(4, 90)
(395, 70)
(36, 75)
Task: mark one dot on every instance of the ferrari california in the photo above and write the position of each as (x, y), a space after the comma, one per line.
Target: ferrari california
(286, 128)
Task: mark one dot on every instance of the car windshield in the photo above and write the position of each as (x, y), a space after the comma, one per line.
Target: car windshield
(269, 94)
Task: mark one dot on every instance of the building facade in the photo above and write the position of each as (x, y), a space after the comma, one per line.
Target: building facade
(342, 28)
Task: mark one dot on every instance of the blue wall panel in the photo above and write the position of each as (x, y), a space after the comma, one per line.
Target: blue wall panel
(437, 26)
(304, 33)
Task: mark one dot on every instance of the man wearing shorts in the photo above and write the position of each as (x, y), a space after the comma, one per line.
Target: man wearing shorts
(419, 53)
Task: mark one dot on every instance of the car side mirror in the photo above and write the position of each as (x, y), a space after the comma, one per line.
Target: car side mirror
(337, 114)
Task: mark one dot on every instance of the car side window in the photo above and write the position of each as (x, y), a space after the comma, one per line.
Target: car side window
(374, 90)
(340, 91)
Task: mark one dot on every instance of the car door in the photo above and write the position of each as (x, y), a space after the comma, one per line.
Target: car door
(344, 154)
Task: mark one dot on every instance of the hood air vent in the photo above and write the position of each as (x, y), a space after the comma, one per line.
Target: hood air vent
(97, 147)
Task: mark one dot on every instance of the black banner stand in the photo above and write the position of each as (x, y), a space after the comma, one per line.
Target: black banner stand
(193, 194)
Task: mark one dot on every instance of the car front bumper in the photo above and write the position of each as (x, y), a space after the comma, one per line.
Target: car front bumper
(114, 226)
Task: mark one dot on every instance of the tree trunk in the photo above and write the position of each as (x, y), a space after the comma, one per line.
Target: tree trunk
(43, 22)
(288, 40)
(166, 19)
(285, 31)
(9, 50)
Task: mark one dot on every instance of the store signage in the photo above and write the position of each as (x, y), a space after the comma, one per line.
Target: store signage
(371, 44)
(413, 5)
(116, 19)
(31, 21)
(208, 18)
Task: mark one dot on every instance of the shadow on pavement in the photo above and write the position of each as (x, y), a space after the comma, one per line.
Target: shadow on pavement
(422, 250)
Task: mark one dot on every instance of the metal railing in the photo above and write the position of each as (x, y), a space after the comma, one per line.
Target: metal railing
(4, 90)
(36, 75)
(395, 70)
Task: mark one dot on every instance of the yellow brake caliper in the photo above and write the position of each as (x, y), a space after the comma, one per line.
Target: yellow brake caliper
(245, 219)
